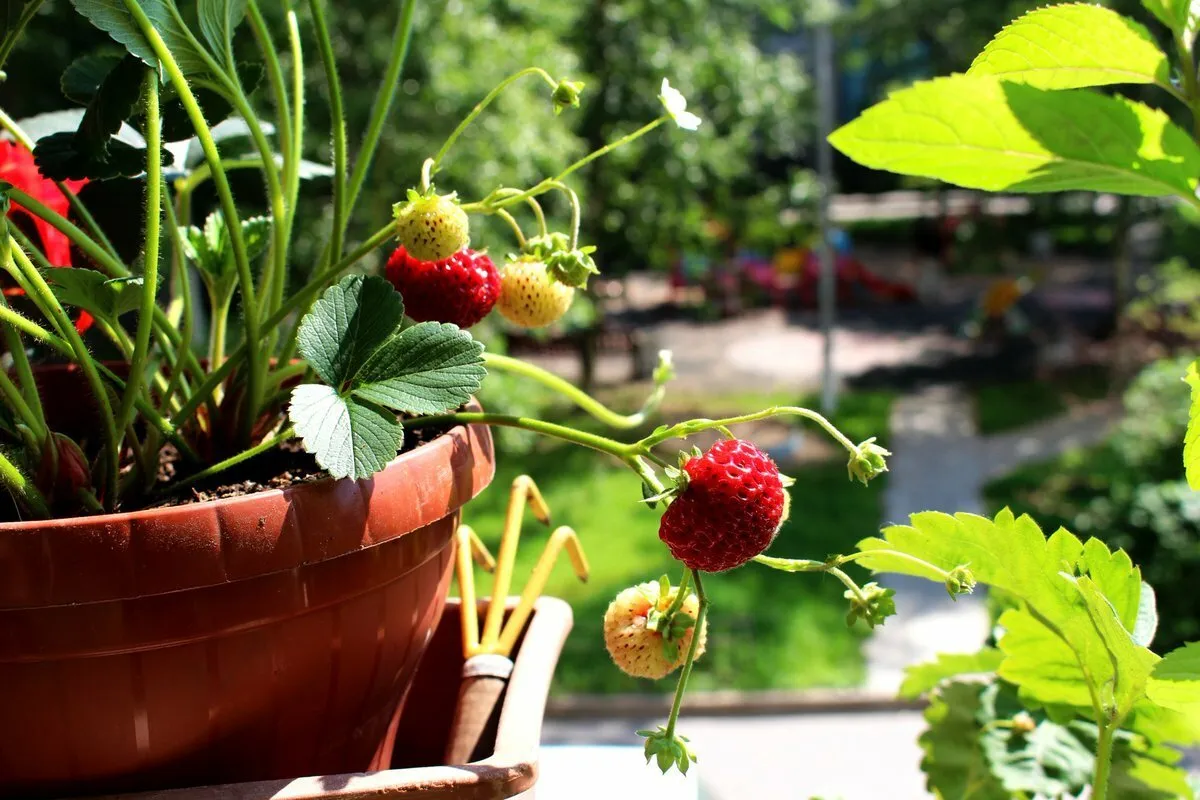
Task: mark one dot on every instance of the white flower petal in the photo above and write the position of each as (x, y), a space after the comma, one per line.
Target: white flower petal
(687, 120)
(672, 100)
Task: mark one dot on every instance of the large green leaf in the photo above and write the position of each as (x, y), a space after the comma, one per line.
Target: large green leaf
(83, 76)
(348, 437)
(1041, 662)
(425, 369)
(954, 763)
(1175, 683)
(1074, 45)
(1191, 441)
(1121, 667)
(922, 678)
(347, 325)
(112, 17)
(218, 20)
(983, 132)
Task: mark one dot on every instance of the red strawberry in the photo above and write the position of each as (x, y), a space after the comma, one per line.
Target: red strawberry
(461, 289)
(728, 512)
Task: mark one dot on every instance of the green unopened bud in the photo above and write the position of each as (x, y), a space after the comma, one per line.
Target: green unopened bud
(668, 750)
(872, 604)
(1022, 722)
(566, 95)
(869, 462)
(960, 581)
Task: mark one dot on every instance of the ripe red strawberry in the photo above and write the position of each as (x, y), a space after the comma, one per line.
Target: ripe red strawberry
(729, 511)
(530, 296)
(638, 650)
(461, 289)
(432, 226)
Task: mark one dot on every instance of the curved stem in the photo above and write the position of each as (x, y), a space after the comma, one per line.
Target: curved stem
(576, 210)
(681, 687)
(576, 395)
(16, 347)
(141, 344)
(80, 354)
(685, 429)
(338, 119)
(601, 443)
(266, 46)
(484, 103)
(383, 101)
(228, 208)
(184, 289)
(512, 223)
(14, 33)
(24, 412)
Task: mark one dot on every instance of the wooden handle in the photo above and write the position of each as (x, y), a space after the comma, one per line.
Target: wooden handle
(473, 732)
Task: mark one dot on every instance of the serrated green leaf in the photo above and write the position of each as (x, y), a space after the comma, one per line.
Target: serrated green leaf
(425, 369)
(1191, 441)
(1162, 725)
(982, 132)
(112, 17)
(1074, 45)
(256, 231)
(348, 437)
(922, 678)
(83, 76)
(1175, 683)
(347, 325)
(94, 292)
(953, 762)
(1122, 668)
(1118, 580)
(1147, 617)
(218, 21)
(1041, 663)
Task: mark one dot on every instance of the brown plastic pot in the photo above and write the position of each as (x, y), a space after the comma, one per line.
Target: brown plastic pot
(424, 727)
(252, 638)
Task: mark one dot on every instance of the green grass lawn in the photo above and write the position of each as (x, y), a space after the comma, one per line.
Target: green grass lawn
(767, 629)
(1001, 407)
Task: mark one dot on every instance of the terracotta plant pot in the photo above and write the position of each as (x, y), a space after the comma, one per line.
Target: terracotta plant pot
(424, 727)
(257, 637)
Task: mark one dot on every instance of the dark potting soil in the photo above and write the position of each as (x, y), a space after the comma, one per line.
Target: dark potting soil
(288, 465)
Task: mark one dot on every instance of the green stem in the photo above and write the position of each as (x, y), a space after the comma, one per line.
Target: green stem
(685, 429)
(576, 395)
(600, 443)
(11, 477)
(681, 687)
(338, 119)
(112, 439)
(1104, 748)
(512, 223)
(24, 371)
(283, 113)
(383, 101)
(141, 344)
(23, 410)
(297, 50)
(216, 333)
(234, 460)
(14, 33)
(576, 210)
(184, 290)
(681, 593)
(254, 358)
(830, 567)
(484, 103)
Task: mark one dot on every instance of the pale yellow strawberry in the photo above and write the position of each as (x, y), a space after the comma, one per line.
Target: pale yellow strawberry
(639, 651)
(530, 296)
(431, 227)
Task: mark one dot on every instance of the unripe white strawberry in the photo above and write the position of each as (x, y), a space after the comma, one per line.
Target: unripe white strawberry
(530, 296)
(431, 227)
(641, 642)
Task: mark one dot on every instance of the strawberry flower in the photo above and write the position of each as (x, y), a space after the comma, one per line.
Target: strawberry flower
(676, 105)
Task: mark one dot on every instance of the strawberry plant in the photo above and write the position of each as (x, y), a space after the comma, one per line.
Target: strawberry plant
(1072, 696)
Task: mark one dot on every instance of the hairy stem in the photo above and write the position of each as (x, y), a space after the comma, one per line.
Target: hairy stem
(1104, 748)
(338, 118)
(686, 673)
(17, 483)
(601, 443)
(141, 343)
(234, 460)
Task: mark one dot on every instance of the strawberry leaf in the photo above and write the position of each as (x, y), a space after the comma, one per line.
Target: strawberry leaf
(922, 678)
(218, 21)
(425, 369)
(94, 292)
(350, 321)
(350, 438)
(1175, 683)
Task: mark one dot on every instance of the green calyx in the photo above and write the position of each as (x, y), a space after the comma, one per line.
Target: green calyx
(567, 265)
(960, 581)
(566, 95)
(668, 750)
(868, 462)
(873, 604)
(667, 618)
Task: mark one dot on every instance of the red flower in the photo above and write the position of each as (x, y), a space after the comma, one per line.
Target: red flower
(18, 168)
